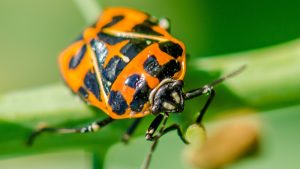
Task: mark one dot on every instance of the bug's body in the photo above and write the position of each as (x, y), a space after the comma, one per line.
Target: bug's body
(118, 62)
(128, 65)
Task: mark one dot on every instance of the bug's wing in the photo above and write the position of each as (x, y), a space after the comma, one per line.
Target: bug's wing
(78, 71)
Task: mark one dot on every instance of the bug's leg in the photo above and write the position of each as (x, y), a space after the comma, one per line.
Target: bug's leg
(211, 94)
(208, 89)
(150, 135)
(131, 130)
(179, 132)
(95, 126)
(205, 90)
(153, 127)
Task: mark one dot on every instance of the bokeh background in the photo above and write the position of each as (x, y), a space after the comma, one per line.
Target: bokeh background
(33, 33)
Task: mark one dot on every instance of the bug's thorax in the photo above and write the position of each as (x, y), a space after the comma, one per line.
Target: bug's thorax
(167, 97)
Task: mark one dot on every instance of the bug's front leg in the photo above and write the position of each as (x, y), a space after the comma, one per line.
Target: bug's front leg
(205, 90)
(153, 127)
(95, 126)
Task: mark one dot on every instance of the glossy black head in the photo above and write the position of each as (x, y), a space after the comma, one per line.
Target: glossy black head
(168, 97)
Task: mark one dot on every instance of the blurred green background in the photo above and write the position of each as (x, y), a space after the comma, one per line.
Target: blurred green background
(33, 33)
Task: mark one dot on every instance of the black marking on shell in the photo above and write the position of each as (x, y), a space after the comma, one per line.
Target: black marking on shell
(134, 47)
(76, 59)
(114, 21)
(161, 72)
(83, 93)
(113, 68)
(110, 39)
(117, 102)
(152, 66)
(140, 96)
(145, 29)
(91, 83)
(168, 69)
(132, 81)
(150, 21)
(101, 53)
(171, 48)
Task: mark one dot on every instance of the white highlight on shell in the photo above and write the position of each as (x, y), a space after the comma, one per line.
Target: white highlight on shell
(125, 59)
(101, 50)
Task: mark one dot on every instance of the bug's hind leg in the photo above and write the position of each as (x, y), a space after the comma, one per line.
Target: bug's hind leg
(126, 136)
(95, 126)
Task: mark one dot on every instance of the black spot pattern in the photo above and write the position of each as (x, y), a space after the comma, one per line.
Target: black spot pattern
(145, 29)
(114, 21)
(113, 68)
(75, 60)
(134, 47)
(140, 96)
(168, 69)
(83, 93)
(171, 48)
(110, 39)
(117, 102)
(150, 22)
(152, 67)
(91, 83)
(132, 81)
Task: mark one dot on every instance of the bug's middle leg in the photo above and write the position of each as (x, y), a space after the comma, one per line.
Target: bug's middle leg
(130, 130)
(95, 126)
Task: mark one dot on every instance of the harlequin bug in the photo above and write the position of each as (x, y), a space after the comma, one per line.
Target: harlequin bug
(128, 65)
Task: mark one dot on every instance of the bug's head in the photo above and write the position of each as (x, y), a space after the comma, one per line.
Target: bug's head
(167, 97)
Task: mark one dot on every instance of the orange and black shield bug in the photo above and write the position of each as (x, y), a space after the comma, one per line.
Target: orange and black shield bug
(129, 66)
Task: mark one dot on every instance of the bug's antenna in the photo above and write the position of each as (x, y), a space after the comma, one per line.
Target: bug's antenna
(207, 88)
(232, 74)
